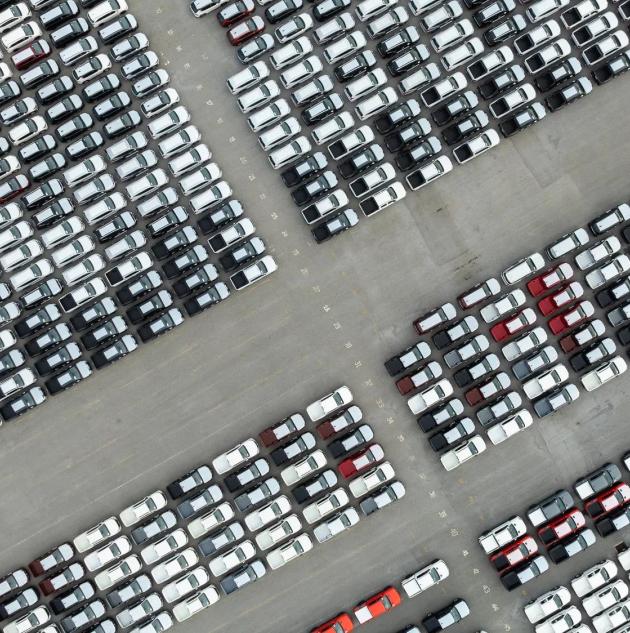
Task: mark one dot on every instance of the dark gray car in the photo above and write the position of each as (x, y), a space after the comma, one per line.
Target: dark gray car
(221, 539)
(156, 526)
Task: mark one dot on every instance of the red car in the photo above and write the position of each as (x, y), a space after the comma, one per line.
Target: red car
(377, 605)
(273, 434)
(562, 527)
(512, 325)
(361, 461)
(339, 624)
(31, 54)
(609, 500)
(549, 279)
(572, 317)
(515, 553)
(487, 389)
(245, 30)
(13, 187)
(562, 297)
(234, 12)
(583, 335)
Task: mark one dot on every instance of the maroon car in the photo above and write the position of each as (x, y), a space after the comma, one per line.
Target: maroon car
(340, 422)
(245, 30)
(65, 577)
(13, 187)
(234, 12)
(55, 557)
(31, 54)
(282, 430)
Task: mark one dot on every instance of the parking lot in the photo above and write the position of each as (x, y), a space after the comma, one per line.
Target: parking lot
(332, 315)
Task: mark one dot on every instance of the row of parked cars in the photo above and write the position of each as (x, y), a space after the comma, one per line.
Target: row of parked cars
(103, 213)
(513, 319)
(602, 593)
(560, 526)
(213, 530)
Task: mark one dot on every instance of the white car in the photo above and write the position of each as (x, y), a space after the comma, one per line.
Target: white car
(193, 605)
(7, 340)
(548, 380)
(606, 597)
(291, 52)
(301, 71)
(273, 510)
(20, 36)
(547, 55)
(206, 175)
(147, 184)
(85, 170)
(567, 243)
(561, 622)
(503, 534)
(12, 164)
(303, 467)
(509, 427)
(106, 11)
(179, 142)
(210, 521)
(336, 525)
(210, 197)
(443, 89)
(342, 48)
(523, 269)
(387, 22)
(29, 621)
(327, 131)
(594, 577)
(476, 146)
(97, 534)
(541, 9)
(18, 381)
(76, 51)
(183, 163)
(116, 573)
(247, 78)
(412, 82)
(13, 15)
(236, 456)
(442, 15)
(512, 100)
(613, 619)
(169, 122)
(177, 539)
(143, 608)
(366, 84)
(462, 54)
(611, 218)
(289, 153)
(375, 104)
(604, 373)
(420, 7)
(596, 253)
(319, 409)
(425, 578)
(463, 452)
(491, 62)
(334, 28)
(289, 551)
(91, 68)
(21, 255)
(10, 311)
(28, 276)
(538, 36)
(367, 9)
(107, 554)
(238, 555)
(326, 505)
(16, 234)
(163, 572)
(104, 208)
(185, 585)
(431, 396)
(143, 508)
(258, 96)
(278, 532)
(62, 232)
(547, 604)
(429, 172)
(577, 14)
(283, 131)
(524, 344)
(618, 265)
(372, 479)
(452, 35)
(27, 130)
(69, 253)
(504, 305)
(268, 115)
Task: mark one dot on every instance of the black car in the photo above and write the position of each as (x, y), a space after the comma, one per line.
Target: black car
(314, 188)
(115, 227)
(21, 404)
(569, 94)
(334, 225)
(355, 66)
(49, 339)
(37, 320)
(189, 482)
(154, 527)
(175, 242)
(139, 287)
(293, 449)
(502, 81)
(612, 68)
(407, 159)
(322, 110)
(57, 359)
(360, 161)
(59, 14)
(613, 293)
(315, 486)
(93, 314)
(571, 546)
(112, 106)
(492, 12)
(406, 136)
(44, 193)
(214, 220)
(69, 377)
(398, 42)
(199, 278)
(185, 261)
(328, 8)
(351, 441)
(118, 28)
(115, 351)
(461, 130)
(204, 499)
(203, 300)
(614, 521)
(397, 116)
(11, 360)
(161, 324)
(558, 74)
(53, 214)
(40, 293)
(247, 475)
(18, 602)
(522, 119)
(505, 30)
(156, 302)
(455, 107)
(129, 590)
(9, 90)
(122, 124)
(452, 613)
(75, 126)
(37, 148)
(257, 494)
(47, 167)
(282, 9)
(309, 166)
(64, 108)
(175, 217)
(72, 597)
(451, 434)
(104, 332)
(101, 87)
(242, 253)
(69, 32)
(408, 60)
(440, 415)
(54, 90)
(220, 539)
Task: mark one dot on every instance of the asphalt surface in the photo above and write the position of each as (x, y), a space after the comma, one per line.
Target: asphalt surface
(332, 315)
